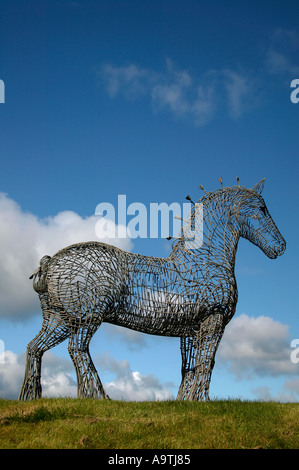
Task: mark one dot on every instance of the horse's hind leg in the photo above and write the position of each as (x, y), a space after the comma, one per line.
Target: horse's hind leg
(52, 333)
(89, 384)
(198, 358)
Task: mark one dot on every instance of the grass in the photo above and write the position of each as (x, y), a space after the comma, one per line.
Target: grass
(65, 423)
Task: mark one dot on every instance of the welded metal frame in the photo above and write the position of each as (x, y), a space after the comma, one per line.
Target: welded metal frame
(191, 294)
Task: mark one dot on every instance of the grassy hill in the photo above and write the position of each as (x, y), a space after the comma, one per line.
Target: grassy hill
(67, 423)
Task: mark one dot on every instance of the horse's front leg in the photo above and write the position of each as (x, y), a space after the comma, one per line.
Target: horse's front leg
(198, 358)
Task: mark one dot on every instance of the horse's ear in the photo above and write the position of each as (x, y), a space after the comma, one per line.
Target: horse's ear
(258, 187)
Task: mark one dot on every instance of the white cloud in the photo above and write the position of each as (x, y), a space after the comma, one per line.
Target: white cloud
(196, 105)
(174, 90)
(197, 99)
(130, 80)
(241, 92)
(132, 385)
(11, 374)
(182, 95)
(57, 378)
(24, 239)
(203, 107)
(256, 347)
(287, 394)
(282, 54)
(279, 63)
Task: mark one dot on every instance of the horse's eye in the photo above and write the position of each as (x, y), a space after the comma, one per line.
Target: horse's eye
(263, 209)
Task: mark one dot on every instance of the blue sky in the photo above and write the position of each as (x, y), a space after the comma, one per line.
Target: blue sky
(150, 100)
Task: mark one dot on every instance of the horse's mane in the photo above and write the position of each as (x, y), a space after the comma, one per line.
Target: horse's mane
(208, 198)
(210, 195)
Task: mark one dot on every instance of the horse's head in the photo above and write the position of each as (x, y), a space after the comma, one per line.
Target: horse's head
(255, 223)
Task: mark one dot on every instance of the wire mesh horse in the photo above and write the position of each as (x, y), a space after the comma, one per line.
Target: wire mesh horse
(192, 294)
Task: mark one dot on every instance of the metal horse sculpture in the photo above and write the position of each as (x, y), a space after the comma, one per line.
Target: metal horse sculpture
(192, 294)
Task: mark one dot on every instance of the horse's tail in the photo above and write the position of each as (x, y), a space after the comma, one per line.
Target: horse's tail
(39, 275)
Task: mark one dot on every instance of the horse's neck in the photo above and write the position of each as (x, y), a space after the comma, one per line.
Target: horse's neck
(219, 242)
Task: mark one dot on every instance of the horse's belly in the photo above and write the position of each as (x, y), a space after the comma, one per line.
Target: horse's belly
(167, 324)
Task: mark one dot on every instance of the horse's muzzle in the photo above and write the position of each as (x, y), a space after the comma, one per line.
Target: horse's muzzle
(281, 248)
